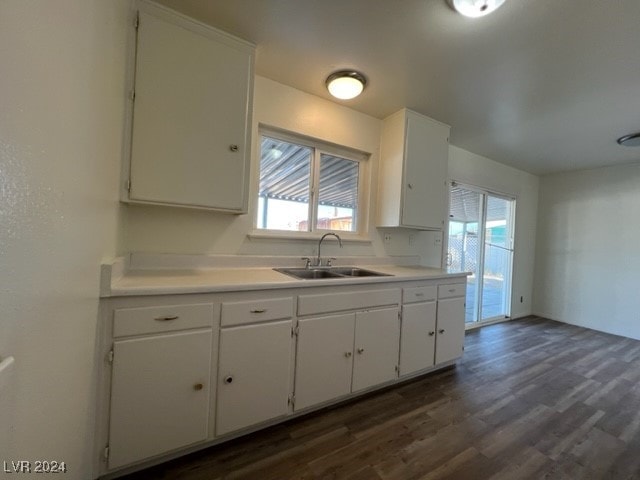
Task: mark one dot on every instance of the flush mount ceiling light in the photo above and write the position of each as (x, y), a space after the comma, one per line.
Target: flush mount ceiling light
(475, 8)
(346, 84)
(632, 140)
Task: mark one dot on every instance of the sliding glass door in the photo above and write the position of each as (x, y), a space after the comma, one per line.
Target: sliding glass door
(481, 242)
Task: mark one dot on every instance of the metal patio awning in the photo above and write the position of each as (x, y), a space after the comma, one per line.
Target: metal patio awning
(285, 175)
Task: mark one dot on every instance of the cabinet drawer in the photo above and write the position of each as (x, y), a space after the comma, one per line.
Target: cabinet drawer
(166, 318)
(337, 302)
(453, 290)
(419, 294)
(240, 313)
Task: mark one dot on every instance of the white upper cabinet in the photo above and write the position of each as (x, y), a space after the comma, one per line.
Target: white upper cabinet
(191, 116)
(414, 152)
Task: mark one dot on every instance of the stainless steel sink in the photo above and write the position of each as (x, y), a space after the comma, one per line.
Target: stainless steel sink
(329, 272)
(357, 272)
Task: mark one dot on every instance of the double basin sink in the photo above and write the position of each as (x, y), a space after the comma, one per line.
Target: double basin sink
(329, 272)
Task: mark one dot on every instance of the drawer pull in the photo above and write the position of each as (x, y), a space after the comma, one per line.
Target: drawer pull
(419, 294)
(441, 330)
(348, 354)
(167, 318)
(432, 333)
(361, 351)
(451, 290)
(258, 310)
(198, 387)
(228, 379)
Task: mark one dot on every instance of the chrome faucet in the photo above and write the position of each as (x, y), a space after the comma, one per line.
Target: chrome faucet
(319, 259)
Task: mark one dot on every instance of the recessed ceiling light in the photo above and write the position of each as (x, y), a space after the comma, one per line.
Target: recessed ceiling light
(346, 84)
(475, 8)
(632, 140)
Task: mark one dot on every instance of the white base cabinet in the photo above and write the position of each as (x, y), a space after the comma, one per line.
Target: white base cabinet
(324, 359)
(159, 395)
(187, 375)
(254, 375)
(418, 345)
(450, 336)
(376, 348)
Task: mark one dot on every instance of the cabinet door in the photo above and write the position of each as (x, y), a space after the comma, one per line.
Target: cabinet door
(425, 172)
(324, 359)
(377, 341)
(418, 340)
(159, 395)
(450, 329)
(254, 375)
(190, 134)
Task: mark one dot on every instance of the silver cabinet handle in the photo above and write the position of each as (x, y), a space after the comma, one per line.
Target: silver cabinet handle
(258, 310)
(348, 354)
(167, 318)
(228, 379)
(431, 334)
(441, 330)
(233, 148)
(361, 351)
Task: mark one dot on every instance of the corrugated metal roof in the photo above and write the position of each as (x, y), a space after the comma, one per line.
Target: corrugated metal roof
(285, 175)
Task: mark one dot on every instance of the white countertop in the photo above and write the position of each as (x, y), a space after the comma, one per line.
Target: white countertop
(119, 279)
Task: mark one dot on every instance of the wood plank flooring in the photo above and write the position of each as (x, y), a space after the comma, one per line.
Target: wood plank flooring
(531, 399)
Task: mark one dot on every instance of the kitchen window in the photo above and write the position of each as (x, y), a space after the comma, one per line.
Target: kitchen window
(308, 186)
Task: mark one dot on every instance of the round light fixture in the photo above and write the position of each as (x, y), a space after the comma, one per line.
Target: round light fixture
(632, 140)
(346, 84)
(475, 8)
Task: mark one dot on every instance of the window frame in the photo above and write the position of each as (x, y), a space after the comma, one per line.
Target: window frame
(318, 147)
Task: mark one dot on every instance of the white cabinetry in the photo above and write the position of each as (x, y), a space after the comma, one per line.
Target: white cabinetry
(160, 384)
(190, 138)
(345, 352)
(185, 375)
(450, 328)
(254, 373)
(324, 359)
(376, 348)
(413, 170)
(418, 341)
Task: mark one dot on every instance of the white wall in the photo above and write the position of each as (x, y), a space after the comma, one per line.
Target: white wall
(174, 230)
(61, 111)
(588, 254)
(472, 169)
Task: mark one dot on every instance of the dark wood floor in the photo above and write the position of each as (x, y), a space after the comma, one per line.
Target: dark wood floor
(532, 399)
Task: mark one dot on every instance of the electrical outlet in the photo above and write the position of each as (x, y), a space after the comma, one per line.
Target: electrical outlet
(412, 239)
(387, 238)
(438, 241)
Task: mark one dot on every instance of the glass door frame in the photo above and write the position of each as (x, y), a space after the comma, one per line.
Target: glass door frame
(481, 243)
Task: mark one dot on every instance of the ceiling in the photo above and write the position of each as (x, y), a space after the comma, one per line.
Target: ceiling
(542, 85)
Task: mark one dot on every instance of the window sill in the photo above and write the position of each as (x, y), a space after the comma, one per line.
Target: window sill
(307, 237)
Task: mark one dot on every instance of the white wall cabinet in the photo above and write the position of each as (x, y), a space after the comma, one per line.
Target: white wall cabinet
(413, 171)
(254, 374)
(159, 395)
(191, 115)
